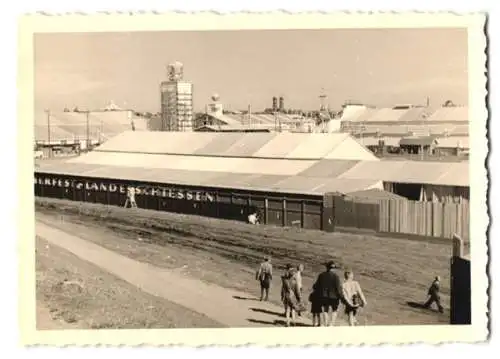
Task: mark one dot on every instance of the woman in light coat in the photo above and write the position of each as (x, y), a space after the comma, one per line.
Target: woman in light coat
(353, 295)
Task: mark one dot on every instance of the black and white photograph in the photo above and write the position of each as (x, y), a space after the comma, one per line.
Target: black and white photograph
(283, 177)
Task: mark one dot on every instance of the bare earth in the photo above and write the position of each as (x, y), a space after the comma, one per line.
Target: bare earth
(48, 319)
(74, 294)
(221, 257)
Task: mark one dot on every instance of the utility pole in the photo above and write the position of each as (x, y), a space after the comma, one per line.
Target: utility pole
(88, 128)
(48, 126)
(249, 115)
(361, 132)
(322, 108)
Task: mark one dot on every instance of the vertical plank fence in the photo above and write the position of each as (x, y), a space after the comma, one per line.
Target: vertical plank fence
(429, 219)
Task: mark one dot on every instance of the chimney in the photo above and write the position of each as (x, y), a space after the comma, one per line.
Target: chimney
(275, 104)
(282, 104)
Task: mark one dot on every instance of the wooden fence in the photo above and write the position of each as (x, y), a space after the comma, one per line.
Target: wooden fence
(352, 214)
(460, 285)
(430, 219)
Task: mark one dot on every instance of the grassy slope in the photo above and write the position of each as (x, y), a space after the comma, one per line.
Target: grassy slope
(78, 293)
(391, 271)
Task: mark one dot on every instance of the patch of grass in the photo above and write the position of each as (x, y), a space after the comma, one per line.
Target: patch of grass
(78, 292)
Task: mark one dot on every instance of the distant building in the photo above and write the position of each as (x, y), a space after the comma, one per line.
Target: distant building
(111, 106)
(176, 100)
(418, 145)
(282, 104)
(215, 108)
(231, 128)
(67, 128)
(373, 126)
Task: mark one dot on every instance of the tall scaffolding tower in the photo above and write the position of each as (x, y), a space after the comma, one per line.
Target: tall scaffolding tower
(176, 100)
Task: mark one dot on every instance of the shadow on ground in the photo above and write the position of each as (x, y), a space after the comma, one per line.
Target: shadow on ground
(266, 311)
(244, 298)
(415, 305)
(281, 323)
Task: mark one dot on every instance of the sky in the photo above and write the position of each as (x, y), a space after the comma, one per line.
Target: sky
(381, 67)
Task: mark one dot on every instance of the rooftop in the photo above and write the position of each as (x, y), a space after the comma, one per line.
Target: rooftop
(279, 162)
(418, 141)
(74, 125)
(273, 145)
(406, 114)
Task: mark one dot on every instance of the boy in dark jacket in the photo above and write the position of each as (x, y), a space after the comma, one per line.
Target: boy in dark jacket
(434, 295)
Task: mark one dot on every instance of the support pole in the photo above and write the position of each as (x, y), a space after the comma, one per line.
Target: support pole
(88, 129)
(48, 126)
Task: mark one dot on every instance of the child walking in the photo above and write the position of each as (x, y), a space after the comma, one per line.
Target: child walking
(315, 300)
(290, 295)
(353, 295)
(265, 275)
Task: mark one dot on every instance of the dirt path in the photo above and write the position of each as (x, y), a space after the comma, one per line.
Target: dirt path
(228, 307)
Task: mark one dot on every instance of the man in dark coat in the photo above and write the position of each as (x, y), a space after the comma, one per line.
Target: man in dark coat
(329, 291)
(434, 296)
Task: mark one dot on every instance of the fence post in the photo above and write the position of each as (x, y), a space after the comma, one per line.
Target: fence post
(458, 246)
(302, 214)
(284, 219)
(460, 284)
(322, 217)
(443, 220)
(217, 204)
(389, 201)
(432, 219)
(328, 213)
(266, 212)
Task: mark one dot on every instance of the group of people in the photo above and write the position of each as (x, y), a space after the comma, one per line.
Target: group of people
(328, 293)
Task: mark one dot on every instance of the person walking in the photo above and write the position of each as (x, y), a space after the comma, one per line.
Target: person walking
(330, 293)
(130, 198)
(434, 295)
(354, 297)
(265, 275)
(298, 279)
(315, 300)
(298, 276)
(290, 295)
